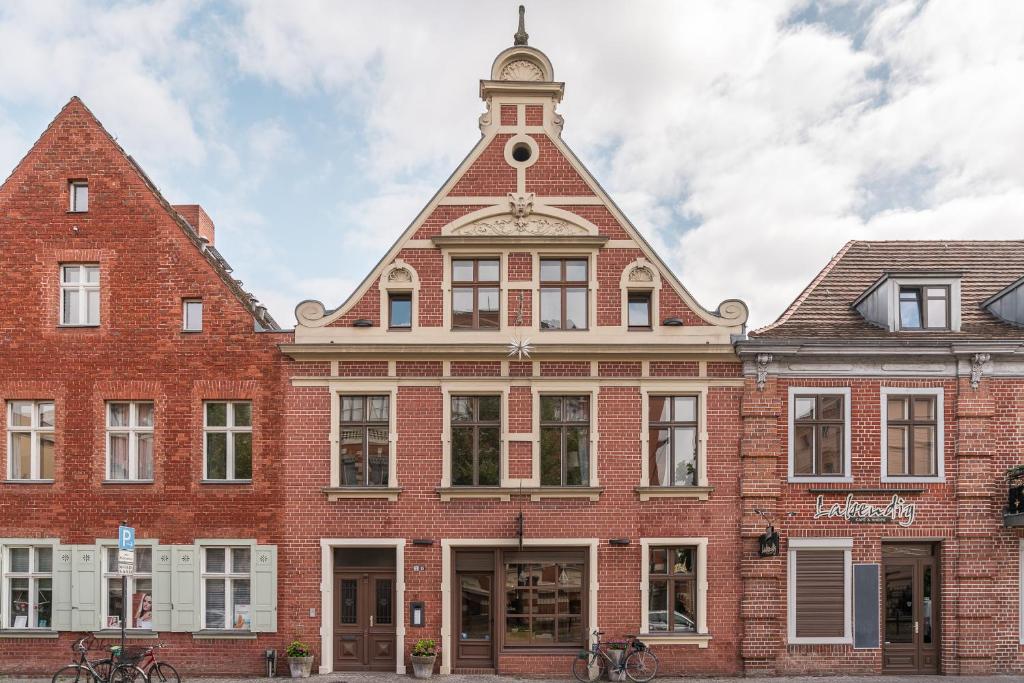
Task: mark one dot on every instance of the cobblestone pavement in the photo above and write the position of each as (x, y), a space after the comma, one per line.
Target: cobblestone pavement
(354, 677)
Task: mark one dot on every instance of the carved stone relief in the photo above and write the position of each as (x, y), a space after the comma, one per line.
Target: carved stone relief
(522, 206)
(641, 274)
(511, 226)
(521, 70)
(400, 275)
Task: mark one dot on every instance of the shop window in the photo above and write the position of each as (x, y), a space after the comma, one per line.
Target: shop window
(476, 300)
(28, 575)
(30, 440)
(364, 444)
(140, 591)
(475, 440)
(80, 295)
(563, 294)
(228, 440)
(226, 589)
(819, 422)
(819, 591)
(672, 440)
(130, 440)
(912, 434)
(544, 600)
(672, 590)
(565, 440)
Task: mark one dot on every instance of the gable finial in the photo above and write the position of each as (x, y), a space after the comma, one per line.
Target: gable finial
(522, 37)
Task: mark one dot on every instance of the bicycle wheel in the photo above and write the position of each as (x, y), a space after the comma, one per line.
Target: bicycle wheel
(162, 672)
(102, 667)
(73, 673)
(128, 673)
(641, 666)
(588, 669)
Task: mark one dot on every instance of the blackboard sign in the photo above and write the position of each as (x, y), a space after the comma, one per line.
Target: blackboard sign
(865, 606)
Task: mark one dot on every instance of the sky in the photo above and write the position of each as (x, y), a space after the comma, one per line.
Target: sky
(747, 140)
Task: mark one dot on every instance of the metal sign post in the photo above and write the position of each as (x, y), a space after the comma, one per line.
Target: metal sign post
(125, 567)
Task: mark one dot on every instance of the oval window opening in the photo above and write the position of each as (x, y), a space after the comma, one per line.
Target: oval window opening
(522, 152)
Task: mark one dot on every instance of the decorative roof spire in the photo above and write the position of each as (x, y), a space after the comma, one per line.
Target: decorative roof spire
(522, 37)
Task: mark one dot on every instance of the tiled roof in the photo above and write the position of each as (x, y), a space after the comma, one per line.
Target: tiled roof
(824, 310)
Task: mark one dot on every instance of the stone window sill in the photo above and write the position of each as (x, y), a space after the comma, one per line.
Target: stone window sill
(124, 482)
(28, 633)
(476, 493)
(356, 492)
(28, 481)
(214, 634)
(697, 492)
(701, 640)
(592, 493)
(129, 634)
(222, 482)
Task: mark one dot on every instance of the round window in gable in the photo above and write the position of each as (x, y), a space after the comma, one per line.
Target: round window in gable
(521, 152)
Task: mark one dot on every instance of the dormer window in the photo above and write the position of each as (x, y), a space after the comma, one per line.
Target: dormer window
(924, 308)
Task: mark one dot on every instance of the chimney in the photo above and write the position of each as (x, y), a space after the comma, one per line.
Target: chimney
(197, 218)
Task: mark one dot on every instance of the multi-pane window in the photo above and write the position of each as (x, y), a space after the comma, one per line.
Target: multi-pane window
(228, 433)
(672, 590)
(192, 315)
(564, 440)
(140, 590)
(818, 435)
(80, 294)
(30, 439)
(476, 440)
(543, 600)
(78, 190)
(924, 308)
(563, 294)
(911, 436)
(130, 440)
(638, 308)
(400, 310)
(476, 301)
(672, 440)
(28, 573)
(226, 589)
(364, 443)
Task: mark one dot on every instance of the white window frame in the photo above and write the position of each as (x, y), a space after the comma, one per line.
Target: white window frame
(847, 428)
(230, 429)
(32, 575)
(364, 388)
(80, 289)
(702, 636)
(105, 575)
(73, 186)
(184, 315)
(940, 428)
(36, 431)
(797, 544)
(701, 392)
(133, 430)
(568, 389)
(229, 577)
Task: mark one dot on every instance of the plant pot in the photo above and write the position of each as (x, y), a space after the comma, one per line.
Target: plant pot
(423, 667)
(614, 674)
(300, 666)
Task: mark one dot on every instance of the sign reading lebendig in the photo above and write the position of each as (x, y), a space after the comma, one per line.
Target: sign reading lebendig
(896, 510)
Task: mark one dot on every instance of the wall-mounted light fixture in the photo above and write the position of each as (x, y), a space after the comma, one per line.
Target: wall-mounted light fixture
(618, 541)
(416, 614)
(672, 322)
(362, 322)
(423, 541)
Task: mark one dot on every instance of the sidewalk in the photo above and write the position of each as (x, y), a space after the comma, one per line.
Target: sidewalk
(356, 677)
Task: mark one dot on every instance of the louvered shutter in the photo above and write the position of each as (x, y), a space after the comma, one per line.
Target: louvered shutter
(820, 593)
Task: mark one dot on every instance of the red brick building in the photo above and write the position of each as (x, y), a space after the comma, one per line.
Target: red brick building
(881, 413)
(138, 382)
(520, 428)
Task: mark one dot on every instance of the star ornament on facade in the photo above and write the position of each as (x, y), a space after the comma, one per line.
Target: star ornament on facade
(520, 348)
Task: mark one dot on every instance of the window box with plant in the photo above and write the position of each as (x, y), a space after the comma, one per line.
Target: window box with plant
(1014, 515)
(300, 659)
(424, 652)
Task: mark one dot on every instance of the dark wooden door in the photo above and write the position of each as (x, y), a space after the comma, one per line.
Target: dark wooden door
(910, 609)
(474, 621)
(364, 621)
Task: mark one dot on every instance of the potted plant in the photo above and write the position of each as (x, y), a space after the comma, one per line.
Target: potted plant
(424, 652)
(300, 659)
(616, 650)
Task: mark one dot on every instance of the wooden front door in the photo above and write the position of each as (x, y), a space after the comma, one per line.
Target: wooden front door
(910, 609)
(364, 621)
(474, 621)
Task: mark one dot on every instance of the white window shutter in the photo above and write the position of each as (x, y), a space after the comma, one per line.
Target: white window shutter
(62, 592)
(162, 588)
(185, 602)
(85, 584)
(264, 592)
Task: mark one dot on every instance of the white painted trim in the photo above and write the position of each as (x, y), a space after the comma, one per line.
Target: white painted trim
(847, 440)
(327, 545)
(653, 287)
(893, 295)
(701, 391)
(5, 599)
(702, 582)
(133, 431)
(796, 544)
(940, 430)
(448, 545)
(386, 287)
(230, 430)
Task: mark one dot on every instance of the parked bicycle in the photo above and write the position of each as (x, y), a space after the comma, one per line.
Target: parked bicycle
(108, 670)
(637, 662)
(157, 671)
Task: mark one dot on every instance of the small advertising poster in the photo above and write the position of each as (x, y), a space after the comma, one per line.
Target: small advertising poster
(243, 618)
(142, 610)
(113, 622)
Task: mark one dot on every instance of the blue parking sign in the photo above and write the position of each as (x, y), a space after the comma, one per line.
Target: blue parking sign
(125, 538)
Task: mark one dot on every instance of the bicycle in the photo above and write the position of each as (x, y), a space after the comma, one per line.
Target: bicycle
(638, 663)
(157, 671)
(99, 671)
